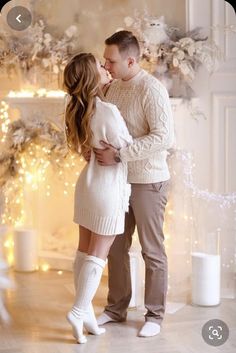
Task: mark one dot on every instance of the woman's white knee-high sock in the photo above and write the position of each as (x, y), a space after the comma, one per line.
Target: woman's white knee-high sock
(90, 321)
(78, 262)
(88, 282)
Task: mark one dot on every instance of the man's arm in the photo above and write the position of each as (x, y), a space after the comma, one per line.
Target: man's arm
(106, 156)
(158, 113)
(117, 136)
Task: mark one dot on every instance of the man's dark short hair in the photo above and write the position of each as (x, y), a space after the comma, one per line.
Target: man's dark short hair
(126, 42)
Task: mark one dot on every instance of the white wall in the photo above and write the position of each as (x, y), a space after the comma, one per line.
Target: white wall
(218, 96)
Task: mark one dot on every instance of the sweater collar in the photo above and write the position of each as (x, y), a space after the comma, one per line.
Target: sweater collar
(132, 80)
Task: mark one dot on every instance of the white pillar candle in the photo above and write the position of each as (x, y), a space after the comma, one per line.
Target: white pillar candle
(25, 249)
(205, 279)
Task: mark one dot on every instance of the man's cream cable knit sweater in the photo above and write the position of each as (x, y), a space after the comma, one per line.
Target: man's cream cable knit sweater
(145, 105)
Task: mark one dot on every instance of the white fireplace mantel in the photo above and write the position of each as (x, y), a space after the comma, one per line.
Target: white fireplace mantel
(186, 113)
(47, 108)
(52, 108)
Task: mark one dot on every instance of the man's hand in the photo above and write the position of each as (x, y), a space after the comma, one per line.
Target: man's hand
(105, 156)
(86, 155)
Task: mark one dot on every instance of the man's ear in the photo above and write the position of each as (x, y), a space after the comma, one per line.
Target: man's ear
(131, 61)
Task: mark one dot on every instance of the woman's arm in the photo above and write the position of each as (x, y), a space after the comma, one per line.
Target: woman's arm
(117, 137)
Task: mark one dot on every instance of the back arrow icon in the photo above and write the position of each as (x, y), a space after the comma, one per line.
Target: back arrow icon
(18, 18)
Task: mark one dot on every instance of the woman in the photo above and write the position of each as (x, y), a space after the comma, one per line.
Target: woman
(101, 193)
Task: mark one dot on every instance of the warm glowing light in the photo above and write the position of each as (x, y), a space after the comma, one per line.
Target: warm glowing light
(8, 243)
(40, 93)
(10, 258)
(4, 120)
(33, 166)
(60, 272)
(45, 267)
(28, 178)
(20, 94)
(167, 236)
(56, 93)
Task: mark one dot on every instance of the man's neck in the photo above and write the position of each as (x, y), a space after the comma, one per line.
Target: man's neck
(133, 73)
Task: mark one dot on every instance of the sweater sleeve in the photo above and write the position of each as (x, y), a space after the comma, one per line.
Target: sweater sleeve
(158, 114)
(117, 133)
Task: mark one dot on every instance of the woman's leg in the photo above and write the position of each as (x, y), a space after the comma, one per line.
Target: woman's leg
(88, 281)
(99, 245)
(81, 252)
(84, 239)
(90, 321)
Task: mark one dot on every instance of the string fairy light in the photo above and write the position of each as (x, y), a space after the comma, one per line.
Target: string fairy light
(33, 159)
(40, 93)
(224, 200)
(37, 159)
(4, 120)
(32, 173)
(191, 216)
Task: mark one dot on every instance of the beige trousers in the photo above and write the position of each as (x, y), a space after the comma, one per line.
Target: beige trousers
(147, 207)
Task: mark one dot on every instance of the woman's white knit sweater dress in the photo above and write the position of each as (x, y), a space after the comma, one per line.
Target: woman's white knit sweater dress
(102, 192)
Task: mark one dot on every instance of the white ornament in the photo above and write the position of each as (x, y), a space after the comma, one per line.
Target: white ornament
(71, 31)
(128, 21)
(155, 31)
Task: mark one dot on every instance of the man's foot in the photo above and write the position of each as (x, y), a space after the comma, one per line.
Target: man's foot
(104, 318)
(90, 323)
(149, 329)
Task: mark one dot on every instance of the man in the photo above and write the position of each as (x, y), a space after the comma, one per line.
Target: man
(145, 106)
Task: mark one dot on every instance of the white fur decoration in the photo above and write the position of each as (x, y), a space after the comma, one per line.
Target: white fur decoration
(154, 32)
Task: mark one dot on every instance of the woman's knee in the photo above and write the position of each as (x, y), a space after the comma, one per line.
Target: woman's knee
(100, 245)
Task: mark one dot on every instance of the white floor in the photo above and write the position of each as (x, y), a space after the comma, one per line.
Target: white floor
(40, 301)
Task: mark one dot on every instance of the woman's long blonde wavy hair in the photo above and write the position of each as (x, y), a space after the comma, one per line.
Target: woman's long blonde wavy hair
(81, 81)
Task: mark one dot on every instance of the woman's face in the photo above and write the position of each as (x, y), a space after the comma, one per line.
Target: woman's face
(104, 74)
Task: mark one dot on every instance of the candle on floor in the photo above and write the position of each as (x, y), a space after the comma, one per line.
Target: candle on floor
(205, 279)
(25, 249)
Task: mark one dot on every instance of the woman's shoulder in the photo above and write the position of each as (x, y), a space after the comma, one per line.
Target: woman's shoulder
(106, 107)
(108, 114)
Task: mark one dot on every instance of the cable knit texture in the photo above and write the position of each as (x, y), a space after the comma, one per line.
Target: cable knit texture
(102, 193)
(145, 105)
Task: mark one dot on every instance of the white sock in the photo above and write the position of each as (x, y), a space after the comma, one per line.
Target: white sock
(149, 329)
(77, 264)
(103, 319)
(88, 282)
(75, 318)
(90, 321)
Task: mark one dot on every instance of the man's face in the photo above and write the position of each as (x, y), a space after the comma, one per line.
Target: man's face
(115, 63)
